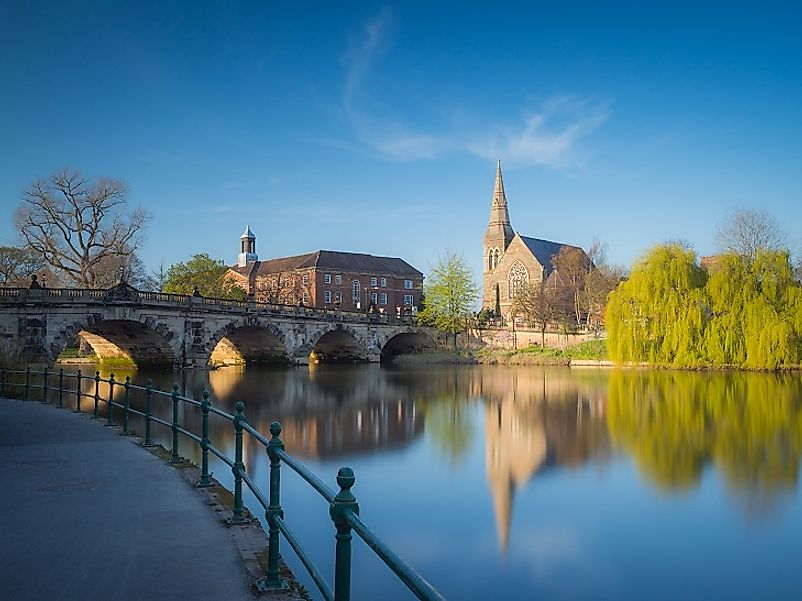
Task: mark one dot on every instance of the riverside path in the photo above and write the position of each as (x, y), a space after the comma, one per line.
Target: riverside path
(85, 516)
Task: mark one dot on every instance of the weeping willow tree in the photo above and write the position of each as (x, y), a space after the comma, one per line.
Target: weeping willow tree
(657, 314)
(756, 312)
(747, 312)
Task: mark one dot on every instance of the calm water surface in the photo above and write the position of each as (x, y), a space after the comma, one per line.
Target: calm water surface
(541, 483)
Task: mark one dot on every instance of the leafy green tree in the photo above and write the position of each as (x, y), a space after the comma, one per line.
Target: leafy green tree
(747, 312)
(450, 294)
(17, 265)
(657, 314)
(209, 275)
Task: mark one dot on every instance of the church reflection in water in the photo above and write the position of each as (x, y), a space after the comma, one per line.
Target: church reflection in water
(673, 425)
(536, 420)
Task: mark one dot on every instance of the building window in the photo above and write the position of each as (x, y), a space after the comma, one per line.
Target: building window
(338, 297)
(374, 297)
(355, 291)
(407, 284)
(327, 296)
(306, 278)
(374, 281)
(338, 279)
(384, 282)
(493, 258)
(518, 278)
(383, 298)
(408, 299)
(327, 278)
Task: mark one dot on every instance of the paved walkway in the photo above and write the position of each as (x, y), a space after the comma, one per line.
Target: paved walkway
(85, 516)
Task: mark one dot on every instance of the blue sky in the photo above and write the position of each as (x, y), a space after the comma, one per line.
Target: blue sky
(375, 127)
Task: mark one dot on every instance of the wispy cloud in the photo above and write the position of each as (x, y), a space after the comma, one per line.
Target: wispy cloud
(549, 135)
(546, 134)
(375, 125)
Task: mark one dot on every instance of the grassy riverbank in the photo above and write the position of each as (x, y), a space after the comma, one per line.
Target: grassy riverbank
(592, 350)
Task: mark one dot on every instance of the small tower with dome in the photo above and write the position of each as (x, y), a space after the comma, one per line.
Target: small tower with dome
(247, 248)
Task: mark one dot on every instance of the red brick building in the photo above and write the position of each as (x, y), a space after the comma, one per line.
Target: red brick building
(329, 279)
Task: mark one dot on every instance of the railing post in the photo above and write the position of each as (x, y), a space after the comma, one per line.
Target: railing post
(205, 404)
(110, 413)
(174, 456)
(61, 387)
(27, 383)
(95, 415)
(272, 579)
(343, 502)
(238, 516)
(126, 405)
(148, 395)
(45, 374)
(78, 392)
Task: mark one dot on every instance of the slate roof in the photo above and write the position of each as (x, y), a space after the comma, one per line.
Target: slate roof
(544, 250)
(334, 261)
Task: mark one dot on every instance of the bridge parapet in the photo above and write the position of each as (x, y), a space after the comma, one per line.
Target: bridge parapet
(127, 295)
(185, 330)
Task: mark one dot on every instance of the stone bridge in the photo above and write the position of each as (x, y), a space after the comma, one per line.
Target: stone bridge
(193, 331)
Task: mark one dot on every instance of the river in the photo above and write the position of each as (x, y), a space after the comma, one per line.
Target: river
(542, 483)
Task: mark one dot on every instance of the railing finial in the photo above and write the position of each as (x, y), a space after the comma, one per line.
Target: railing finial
(345, 480)
(344, 502)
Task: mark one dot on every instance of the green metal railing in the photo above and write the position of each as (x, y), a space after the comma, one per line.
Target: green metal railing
(343, 506)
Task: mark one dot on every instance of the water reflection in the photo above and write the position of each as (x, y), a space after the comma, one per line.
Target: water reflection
(747, 425)
(495, 437)
(536, 420)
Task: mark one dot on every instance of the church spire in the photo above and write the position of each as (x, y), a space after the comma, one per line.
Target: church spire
(499, 230)
(499, 196)
(498, 234)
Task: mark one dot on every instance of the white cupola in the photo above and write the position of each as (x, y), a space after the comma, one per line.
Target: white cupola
(247, 248)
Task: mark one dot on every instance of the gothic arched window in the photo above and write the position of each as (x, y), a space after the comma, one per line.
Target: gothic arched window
(493, 258)
(518, 278)
(355, 288)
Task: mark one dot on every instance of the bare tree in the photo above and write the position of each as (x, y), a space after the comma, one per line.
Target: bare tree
(159, 277)
(748, 231)
(77, 226)
(114, 269)
(600, 279)
(572, 266)
(533, 302)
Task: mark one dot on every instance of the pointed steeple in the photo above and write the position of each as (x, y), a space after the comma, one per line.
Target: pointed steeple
(499, 232)
(499, 196)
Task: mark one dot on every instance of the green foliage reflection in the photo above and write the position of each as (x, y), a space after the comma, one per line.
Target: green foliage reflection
(676, 423)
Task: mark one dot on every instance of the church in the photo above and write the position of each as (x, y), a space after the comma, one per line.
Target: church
(510, 260)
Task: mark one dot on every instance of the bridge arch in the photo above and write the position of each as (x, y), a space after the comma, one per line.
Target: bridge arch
(339, 343)
(127, 340)
(253, 342)
(406, 342)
